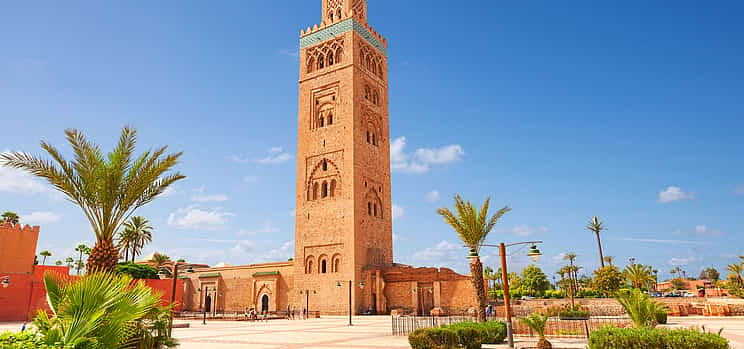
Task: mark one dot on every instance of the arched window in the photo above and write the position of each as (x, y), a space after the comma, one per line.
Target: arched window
(366, 92)
(323, 266)
(336, 265)
(339, 14)
(315, 191)
(373, 139)
(325, 165)
(330, 16)
(374, 98)
(333, 187)
(321, 63)
(330, 58)
(368, 137)
(309, 267)
(310, 65)
(330, 119)
(339, 55)
(375, 210)
(369, 208)
(322, 122)
(325, 189)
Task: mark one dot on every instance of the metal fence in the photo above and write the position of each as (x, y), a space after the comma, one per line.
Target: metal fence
(404, 325)
(238, 315)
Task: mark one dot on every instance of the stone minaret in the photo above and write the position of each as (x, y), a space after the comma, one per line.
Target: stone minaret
(344, 211)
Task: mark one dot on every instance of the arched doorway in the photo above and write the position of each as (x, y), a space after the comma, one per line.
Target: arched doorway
(265, 303)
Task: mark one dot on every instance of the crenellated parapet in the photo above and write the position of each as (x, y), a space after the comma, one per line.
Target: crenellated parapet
(19, 228)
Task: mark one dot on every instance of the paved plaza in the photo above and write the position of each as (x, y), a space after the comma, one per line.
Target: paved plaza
(369, 332)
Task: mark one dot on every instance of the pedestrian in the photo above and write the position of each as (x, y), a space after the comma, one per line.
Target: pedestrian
(23, 327)
(289, 313)
(293, 312)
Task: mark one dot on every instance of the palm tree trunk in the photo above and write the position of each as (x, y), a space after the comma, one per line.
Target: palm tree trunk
(476, 272)
(601, 257)
(43, 261)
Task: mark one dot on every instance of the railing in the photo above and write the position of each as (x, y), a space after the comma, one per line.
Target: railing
(239, 315)
(404, 325)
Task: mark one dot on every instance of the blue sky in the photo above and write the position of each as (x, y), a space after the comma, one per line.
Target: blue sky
(630, 111)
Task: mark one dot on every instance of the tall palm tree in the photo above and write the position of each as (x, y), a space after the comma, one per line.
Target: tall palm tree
(125, 243)
(108, 188)
(609, 259)
(82, 249)
(488, 276)
(638, 275)
(596, 226)
(473, 227)
(571, 281)
(736, 269)
(45, 254)
(159, 260)
(69, 261)
(10, 217)
(136, 233)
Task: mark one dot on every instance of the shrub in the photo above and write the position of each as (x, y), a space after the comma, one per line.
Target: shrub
(467, 335)
(641, 338)
(641, 308)
(661, 317)
(137, 271)
(573, 314)
(490, 332)
(433, 338)
(537, 323)
(23, 340)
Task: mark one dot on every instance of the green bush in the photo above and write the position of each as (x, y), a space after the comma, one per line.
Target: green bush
(661, 317)
(467, 335)
(23, 340)
(137, 271)
(629, 338)
(573, 314)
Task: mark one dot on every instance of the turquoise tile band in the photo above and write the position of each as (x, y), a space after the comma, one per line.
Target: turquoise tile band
(340, 28)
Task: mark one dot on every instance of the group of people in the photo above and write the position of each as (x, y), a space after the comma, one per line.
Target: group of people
(301, 314)
(490, 311)
(292, 314)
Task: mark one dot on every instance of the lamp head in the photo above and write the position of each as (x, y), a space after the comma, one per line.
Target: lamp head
(6, 282)
(534, 253)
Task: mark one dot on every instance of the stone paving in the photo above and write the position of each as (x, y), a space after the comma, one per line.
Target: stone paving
(368, 332)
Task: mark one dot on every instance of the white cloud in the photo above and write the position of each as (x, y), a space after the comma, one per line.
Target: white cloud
(193, 217)
(20, 182)
(673, 194)
(398, 211)
(267, 228)
(433, 196)
(37, 218)
(559, 258)
(685, 261)
(240, 159)
(525, 230)
(700, 230)
(168, 192)
(243, 247)
(277, 155)
(397, 237)
(422, 158)
(661, 241)
(444, 254)
(200, 196)
(250, 179)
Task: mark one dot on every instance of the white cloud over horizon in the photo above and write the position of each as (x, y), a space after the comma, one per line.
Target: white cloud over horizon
(433, 196)
(201, 197)
(398, 211)
(673, 194)
(39, 218)
(193, 217)
(277, 155)
(525, 230)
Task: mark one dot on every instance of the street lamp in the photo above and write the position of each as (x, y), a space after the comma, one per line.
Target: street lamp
(307, 301)
(534, 253)
(361, 287)
(5, 282)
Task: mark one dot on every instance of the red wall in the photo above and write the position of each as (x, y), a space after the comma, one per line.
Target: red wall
(26, 293)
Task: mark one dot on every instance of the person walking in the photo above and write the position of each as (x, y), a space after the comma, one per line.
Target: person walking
(294, 308)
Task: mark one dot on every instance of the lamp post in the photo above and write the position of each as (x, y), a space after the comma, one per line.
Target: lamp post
(534, 253)
(307, 301)
(361, 287)
(5, 282)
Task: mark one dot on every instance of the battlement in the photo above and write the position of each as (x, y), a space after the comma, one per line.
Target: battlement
(19, 227)
(347, 19)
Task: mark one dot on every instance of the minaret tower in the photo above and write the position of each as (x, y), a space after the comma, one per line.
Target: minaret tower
(344, 211)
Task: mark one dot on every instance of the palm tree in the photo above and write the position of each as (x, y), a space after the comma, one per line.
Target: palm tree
(136, 233)
(69, 261)
(488, 276)
(596, 226)
(473, 227)
(609, 259)
(58, 263)
(641, 308)
(638, 275)
(10, 217)
(83, 249)
(108, 188)
(537, 323)
(45, 254)
(736, 269)
(159, 260)
(571, 281)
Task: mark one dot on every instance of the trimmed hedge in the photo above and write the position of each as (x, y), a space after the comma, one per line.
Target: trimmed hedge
(467, 335)
(661, 317)
(630, 338)
(23, 340)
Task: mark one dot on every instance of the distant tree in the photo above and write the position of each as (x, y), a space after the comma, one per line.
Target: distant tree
(137, 271)
(472, 226)
(607, 280)
(596, 226)
(181, 260)
(69, 261)
(159, 260)
(638, 275)
(79, 265)
(711, 274)
(571, 257)
(45, 254)
(534, 280)
(609, 259)
(678, 284)
(10, 217)
(134, 235)
(58, 263)
(82, 249)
